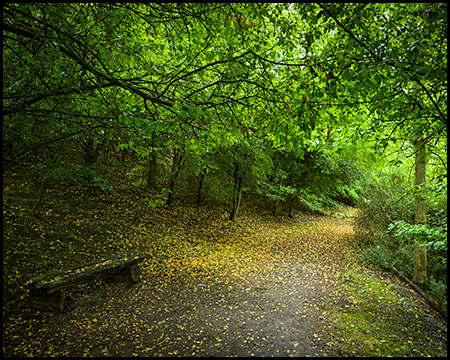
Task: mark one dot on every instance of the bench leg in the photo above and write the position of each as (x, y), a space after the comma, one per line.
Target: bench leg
(130, 274)
(56, 302)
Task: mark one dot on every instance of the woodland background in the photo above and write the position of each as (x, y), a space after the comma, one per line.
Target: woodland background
(294, 107)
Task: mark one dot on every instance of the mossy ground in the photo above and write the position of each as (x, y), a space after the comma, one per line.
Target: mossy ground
(374, 315)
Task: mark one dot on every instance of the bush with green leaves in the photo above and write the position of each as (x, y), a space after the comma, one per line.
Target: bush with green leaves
(329, 181)
(387, 236)
(77, 175)
(314, 180)
(435, 238)
(275, 192)
(385, 200)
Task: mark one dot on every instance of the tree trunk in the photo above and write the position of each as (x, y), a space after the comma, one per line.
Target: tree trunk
(276, 206)
(91, 151)
(200, 185)
(177, 164)
(152, 167)
(291, 199)
(420, 252)
(237, 195)
(420, 264)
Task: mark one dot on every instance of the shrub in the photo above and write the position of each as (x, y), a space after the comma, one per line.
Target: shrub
(434, 237)
(387, 251)
(78, 175)
(387, 237)
(385, 200)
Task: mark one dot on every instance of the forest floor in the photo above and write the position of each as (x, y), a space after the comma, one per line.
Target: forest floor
(261, 286)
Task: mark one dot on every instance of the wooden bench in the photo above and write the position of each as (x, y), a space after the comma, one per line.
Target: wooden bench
(47, 291)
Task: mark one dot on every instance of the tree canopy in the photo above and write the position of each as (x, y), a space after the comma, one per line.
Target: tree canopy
(284, 70)
(301, 77)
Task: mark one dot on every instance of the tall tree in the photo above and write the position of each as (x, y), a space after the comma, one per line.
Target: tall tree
(420, 251)
(400, 60)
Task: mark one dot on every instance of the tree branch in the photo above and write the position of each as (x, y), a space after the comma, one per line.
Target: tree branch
(434, 305)
(443, 118)
(7, 110)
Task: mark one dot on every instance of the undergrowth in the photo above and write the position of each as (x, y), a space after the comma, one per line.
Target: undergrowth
(387, 236)
(373, 319)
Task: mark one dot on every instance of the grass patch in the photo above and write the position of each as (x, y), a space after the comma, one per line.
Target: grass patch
(369, 316)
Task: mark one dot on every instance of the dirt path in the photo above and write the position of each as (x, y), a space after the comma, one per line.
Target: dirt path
(274, 310)
(271, 313)
(270, 317)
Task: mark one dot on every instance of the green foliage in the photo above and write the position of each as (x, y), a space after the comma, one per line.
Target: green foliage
(102, 185)
(388, 250)
(158, 201)
(319, 180)
(385, 200)
(387, 236)
(234, 71)
(274, 189)
(241, 161)
(275, 192)
(435, 194)
(78, 175)
(269, 96)
(421, 233)
(154, 203)
(330, 180)
(310, 199)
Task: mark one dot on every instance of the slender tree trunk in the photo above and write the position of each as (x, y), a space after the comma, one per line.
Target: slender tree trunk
(91, 151)
(152, 168)
(39, 188)
(200, 185)
(237, 195)
(291, 199)
(152, 165)
(177, 164)
(276, 207)
(420, 251)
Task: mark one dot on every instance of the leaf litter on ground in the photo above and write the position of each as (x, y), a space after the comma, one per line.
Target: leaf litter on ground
(262, 286)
